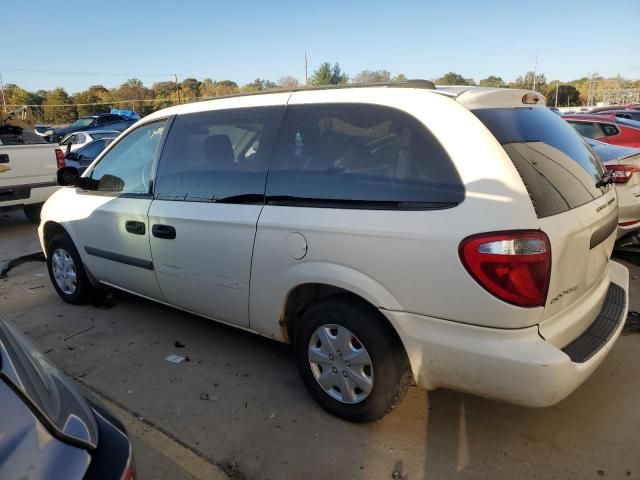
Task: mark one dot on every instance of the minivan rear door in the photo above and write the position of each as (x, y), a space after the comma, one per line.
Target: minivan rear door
(209, 192)
(576, 211)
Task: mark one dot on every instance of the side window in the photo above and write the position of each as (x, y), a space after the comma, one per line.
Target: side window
(217, 155)
(360, 155)
(79, 138)
(92, 150)
(609, 130)
(126, 168)
(587, 129)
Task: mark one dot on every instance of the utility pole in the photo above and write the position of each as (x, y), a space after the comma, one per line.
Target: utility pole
(4, 103)
(535, 69)
(306, 77)
(557, 87)
(178, 88)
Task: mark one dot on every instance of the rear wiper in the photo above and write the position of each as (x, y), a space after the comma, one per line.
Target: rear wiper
(605, 179)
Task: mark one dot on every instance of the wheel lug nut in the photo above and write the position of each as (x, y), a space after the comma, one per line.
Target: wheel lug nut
(345, 374)
(339, 353)
(334, 369)
(347, 363)
(330, 357)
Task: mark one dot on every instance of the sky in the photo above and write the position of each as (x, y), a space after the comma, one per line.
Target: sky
(83, 43)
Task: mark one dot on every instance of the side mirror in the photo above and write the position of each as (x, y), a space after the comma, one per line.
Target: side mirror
(71, 155)
(68, 148)
(68, 177)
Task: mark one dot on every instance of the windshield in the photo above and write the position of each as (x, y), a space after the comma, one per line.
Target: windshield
(82, 122)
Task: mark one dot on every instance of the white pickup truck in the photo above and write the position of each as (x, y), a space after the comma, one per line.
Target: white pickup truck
(28, 168)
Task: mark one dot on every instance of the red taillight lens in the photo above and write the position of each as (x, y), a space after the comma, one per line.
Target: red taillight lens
(514, 266)
(622, 173)
(59, 158)
(129, 471)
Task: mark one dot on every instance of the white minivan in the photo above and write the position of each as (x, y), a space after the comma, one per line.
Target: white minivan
(395, 234)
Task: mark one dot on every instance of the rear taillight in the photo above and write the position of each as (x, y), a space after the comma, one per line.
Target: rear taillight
(129, 471)
(622, 173)
(514, 266)
(60, 158)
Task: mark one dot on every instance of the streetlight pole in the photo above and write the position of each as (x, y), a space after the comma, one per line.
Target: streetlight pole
(4, 103)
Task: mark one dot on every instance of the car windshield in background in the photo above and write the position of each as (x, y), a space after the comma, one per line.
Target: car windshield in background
(99, 135)
(607, 152)
(558, 170)
(82, 122)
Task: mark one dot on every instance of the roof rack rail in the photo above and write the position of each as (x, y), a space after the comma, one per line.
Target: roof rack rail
(413, 83)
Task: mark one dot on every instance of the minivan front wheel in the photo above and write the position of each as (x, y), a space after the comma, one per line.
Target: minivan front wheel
(67, 271)
(350, 360)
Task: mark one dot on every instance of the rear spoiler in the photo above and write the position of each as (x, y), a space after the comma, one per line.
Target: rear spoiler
(474, 98)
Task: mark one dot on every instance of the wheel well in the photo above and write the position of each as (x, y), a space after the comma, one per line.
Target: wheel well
(304, 296)
(51, 229)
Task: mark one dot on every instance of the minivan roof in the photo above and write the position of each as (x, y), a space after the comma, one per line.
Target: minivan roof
(469, 96)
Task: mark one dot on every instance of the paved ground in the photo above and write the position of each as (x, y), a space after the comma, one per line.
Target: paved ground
(239, 404)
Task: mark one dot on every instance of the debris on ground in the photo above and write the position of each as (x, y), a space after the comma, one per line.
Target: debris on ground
(173, 358)
(79, 332)
(177, 344)
(204, 396)
(632, 324)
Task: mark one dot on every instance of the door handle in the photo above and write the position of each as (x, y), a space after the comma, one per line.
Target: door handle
(4, 158)
(137, 228)
(163, 231)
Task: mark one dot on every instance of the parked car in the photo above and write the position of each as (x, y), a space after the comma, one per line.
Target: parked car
(456, 238)
(41, 130)
(613, 130)
(628, 114)
(74, 141)
(51, 428)
(83, 157)
(632, 106)
(106, 121)
(28, 166)
(624, 164)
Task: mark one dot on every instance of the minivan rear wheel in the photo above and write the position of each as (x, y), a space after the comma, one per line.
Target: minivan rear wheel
(350, 360)
(67, 272)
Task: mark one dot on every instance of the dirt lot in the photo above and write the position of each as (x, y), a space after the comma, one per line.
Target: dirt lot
(239, 405)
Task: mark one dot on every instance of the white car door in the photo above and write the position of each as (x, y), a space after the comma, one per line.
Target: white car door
(110, 225)
(209, 192)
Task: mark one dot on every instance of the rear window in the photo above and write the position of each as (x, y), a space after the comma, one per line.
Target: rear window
(558, 169)
(359, 156)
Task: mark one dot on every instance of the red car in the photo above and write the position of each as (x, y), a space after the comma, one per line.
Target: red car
(613, 130)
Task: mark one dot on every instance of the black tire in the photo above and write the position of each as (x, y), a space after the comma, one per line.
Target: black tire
(84, 292)
(391, 370)
(33, 212)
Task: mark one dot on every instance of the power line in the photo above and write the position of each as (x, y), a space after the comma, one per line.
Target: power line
(89, 74)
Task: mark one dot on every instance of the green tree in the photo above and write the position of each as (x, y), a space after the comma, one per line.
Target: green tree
(453, 78)
(136, 93)
(568, 95)
(526, 81)
(328, 75)
(214, 88)
(259, 85)
(401, 77)
(372, 76)
(493, 81)
(55, 110)
(191, 87)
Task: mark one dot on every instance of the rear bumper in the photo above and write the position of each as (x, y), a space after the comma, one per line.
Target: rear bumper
(517, 366)
(26, 194)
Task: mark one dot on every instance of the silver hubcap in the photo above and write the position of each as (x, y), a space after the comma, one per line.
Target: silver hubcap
(340, 363)
(64, 271)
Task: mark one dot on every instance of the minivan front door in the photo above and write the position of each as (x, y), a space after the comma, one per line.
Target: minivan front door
(209, 192)
(111, 225)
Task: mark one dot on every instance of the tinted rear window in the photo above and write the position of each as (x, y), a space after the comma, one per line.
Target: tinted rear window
(359, 156)
(558, 169)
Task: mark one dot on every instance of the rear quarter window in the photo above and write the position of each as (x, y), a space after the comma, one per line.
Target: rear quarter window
(360, 156)
(558, 169)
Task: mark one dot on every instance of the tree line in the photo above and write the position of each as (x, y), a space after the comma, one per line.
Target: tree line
(57, 106)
